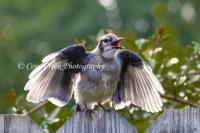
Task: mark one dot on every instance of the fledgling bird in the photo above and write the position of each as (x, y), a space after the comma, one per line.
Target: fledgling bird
(125, 79)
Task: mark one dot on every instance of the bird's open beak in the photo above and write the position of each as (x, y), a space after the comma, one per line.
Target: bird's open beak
(116, 43)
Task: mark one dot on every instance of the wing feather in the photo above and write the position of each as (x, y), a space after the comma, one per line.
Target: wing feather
(52, 80)
(138, 84)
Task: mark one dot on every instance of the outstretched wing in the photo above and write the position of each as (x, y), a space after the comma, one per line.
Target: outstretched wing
(138, 85)
(53, 79)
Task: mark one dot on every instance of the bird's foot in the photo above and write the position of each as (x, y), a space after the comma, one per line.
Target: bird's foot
(89, 112)
(78, 108)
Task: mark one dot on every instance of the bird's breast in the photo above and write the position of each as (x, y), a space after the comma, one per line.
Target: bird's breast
(110, 70)
(98, 85)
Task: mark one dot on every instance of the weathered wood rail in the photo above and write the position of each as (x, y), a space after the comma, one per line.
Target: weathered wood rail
(177, 121)
(171, 121)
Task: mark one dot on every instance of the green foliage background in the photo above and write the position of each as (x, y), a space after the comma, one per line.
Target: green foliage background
(164, 33)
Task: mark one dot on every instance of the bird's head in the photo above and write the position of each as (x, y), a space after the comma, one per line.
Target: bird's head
(109, 44)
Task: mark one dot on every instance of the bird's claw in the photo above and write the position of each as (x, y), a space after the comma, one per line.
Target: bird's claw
(89, 112)
(78, 108)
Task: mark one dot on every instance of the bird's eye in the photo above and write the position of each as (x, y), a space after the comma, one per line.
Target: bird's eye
(105, 40)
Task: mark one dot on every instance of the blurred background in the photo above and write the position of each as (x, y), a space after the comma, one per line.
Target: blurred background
(164, 33)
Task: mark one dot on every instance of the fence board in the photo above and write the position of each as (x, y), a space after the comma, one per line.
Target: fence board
(18, 124)
(101, 122)
(171, 121)
(177, 121)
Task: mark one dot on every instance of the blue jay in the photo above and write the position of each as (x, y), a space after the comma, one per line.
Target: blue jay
(125, 79)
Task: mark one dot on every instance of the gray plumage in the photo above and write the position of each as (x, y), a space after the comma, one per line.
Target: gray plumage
(125, 79)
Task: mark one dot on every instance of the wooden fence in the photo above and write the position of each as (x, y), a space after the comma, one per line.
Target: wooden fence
(171, 121)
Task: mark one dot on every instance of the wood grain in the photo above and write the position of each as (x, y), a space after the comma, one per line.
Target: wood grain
(171, 121)
(18, 124)
(177, 121)
(101, 122)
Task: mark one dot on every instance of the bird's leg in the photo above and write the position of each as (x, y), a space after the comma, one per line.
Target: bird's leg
(88, 111)
(78, 108)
